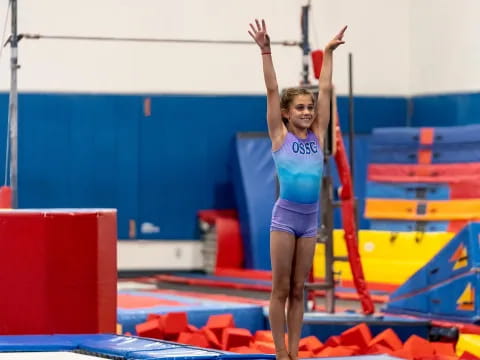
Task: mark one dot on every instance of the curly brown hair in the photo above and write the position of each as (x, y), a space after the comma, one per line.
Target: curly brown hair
(287, 98)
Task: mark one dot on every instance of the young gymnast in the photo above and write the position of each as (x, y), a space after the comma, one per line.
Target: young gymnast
(296, 126)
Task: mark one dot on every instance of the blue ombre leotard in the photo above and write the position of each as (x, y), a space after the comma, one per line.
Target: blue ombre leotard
(299, 164)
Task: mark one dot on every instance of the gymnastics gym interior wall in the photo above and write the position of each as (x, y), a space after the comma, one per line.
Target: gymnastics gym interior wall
(87, 137)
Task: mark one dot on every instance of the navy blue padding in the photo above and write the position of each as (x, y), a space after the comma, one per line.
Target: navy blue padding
(255, 193)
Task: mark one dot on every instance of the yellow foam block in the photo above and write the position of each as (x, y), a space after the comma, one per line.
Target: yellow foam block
(386, 257)
(434, 210)
(468, 342)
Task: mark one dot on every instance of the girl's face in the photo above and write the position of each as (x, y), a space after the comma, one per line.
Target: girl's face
(301, 112)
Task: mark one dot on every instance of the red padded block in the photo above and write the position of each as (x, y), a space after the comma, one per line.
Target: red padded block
(173, 324)
(217, 323)
(229, 243)
(377, 349)
(265, 347)
(415, 346)
(244, 350)
(310, 343)
(402, 354)
(358, 335)
(195, 339)
(303, 354)
(150, 329)
(443, 348)
(191, 328)
(468, 356)
(387, 338)
(333, 341)
(68, 271)
(336, 351)
(263, 335)
(234, 337)
(153, 316)
(213, 341)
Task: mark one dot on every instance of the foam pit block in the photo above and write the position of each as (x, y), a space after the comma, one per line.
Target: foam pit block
(234, 337)
(150, 329)
(358, 335)
(387, 338)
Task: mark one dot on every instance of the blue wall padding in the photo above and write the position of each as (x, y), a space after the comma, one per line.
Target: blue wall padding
(255, 191)
(404, 225)
(198, 310)
(372, 112)
(100, 151)
(429, 191)
(445, 109)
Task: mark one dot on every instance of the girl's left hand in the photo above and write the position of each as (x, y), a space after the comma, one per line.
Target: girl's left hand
(337, 40)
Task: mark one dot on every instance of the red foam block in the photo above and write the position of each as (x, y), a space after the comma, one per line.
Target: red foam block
(415, 346)
(218, 323)
(234, 337)
(213, 341)
(387, 338)
(150, 329)
(358, 335)
(173, 324)
(310, 343)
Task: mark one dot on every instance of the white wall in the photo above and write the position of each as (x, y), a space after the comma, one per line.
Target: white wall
(378, 36)
(445, 46)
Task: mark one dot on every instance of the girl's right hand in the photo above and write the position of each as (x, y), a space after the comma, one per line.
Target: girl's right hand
(260, 35)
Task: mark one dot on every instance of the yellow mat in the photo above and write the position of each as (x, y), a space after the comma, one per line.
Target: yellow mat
(387, 258)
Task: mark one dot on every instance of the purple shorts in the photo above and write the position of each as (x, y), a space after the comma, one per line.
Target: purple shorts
(296, 218)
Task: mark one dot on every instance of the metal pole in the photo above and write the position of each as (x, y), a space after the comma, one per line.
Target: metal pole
(13, 107)
(305, 45)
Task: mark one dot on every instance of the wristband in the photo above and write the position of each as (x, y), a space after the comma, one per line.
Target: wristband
(266, 53)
